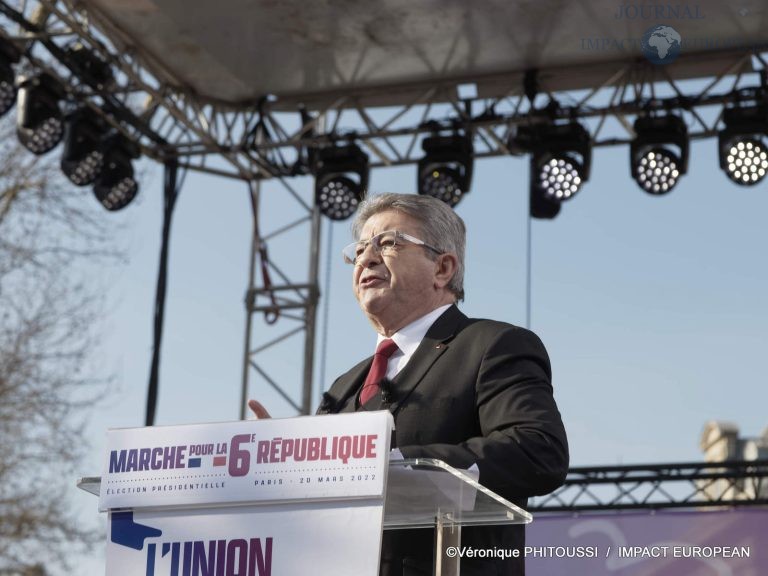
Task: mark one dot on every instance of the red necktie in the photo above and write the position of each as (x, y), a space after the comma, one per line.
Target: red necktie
(384, 350)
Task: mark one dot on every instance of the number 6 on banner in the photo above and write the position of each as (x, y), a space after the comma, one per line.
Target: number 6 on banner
(239, 459)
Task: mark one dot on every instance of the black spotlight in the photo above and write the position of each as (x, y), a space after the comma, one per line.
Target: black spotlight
(561, 161)
(40, 125)
(445, 171)
(89, 67)
(116, 187)
(9, 55)
(741, 144)
(341, 180)
(655, 166)
(83, 156)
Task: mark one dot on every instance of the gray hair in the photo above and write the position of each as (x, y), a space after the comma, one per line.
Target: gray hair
(440, 226)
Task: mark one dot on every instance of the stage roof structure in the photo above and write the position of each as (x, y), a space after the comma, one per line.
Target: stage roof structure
(201, 78)
(385, 53)
(250, 89)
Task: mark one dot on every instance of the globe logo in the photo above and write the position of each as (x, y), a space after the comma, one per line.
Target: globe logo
(661, 44)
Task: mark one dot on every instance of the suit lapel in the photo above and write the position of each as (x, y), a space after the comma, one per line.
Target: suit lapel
(435, 343)
(347, 384)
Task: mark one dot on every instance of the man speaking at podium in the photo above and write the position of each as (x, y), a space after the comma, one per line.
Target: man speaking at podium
(463, 390)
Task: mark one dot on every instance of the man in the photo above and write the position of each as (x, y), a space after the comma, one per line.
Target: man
(466, 391)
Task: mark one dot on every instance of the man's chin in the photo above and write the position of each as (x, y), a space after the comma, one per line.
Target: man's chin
(372, 303)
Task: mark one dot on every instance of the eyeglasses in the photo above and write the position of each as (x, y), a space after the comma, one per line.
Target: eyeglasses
(385, 243)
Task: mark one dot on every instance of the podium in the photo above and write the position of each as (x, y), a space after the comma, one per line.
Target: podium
(428, 493)
(281, 496)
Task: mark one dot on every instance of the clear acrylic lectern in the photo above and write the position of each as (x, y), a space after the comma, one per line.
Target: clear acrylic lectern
(427, 493)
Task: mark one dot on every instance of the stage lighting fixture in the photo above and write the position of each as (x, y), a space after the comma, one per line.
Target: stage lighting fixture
(341, 180)
(89, 67)
(659, 153)
(83, 156)
(115, 186)
(741, 144)
(445, 171)
(561, 161)
(9, 55)
(40, 124)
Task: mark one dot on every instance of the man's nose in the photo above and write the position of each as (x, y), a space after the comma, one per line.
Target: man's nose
(368, 257)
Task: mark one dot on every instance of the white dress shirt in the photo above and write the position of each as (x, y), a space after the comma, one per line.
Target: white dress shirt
(408, 339)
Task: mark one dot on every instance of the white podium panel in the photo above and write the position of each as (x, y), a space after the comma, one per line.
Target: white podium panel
(247, 498)
(263, 540)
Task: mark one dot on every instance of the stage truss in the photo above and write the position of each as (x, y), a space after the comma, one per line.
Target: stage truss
(656, 486)
(266, 143)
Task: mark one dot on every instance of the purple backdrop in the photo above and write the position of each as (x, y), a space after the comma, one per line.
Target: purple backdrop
(664, 543)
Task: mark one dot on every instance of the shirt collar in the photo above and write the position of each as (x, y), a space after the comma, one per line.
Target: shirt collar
(409, 337)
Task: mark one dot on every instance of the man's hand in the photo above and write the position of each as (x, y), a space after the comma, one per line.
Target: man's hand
(258, 409)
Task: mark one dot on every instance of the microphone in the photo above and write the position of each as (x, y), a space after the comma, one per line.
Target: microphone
(387, 388)
(327, 404)
(387, 392)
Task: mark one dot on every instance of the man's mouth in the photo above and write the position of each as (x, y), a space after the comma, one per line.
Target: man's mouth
(370, 281)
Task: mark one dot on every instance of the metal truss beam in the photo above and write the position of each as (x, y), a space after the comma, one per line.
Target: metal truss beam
(684, 485)
(274, 295)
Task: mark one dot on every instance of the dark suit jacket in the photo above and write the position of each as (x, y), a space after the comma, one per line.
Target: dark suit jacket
(475, 391)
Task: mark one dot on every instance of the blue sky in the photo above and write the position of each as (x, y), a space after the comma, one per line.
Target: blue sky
(653, 309)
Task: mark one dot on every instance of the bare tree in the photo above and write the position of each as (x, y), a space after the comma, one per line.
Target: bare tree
(52, 237)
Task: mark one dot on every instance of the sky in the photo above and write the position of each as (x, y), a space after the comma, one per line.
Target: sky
(653, 309)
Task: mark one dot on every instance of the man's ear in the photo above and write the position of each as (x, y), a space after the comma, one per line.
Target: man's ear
(445, 268)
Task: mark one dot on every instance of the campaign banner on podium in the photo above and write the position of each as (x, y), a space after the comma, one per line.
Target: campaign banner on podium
(249, 498)
(306, 458)
(266, 540)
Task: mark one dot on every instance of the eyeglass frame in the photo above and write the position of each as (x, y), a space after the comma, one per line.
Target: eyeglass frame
(398, 235)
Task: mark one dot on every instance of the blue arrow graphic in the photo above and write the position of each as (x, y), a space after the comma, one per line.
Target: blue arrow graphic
(128, 533)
